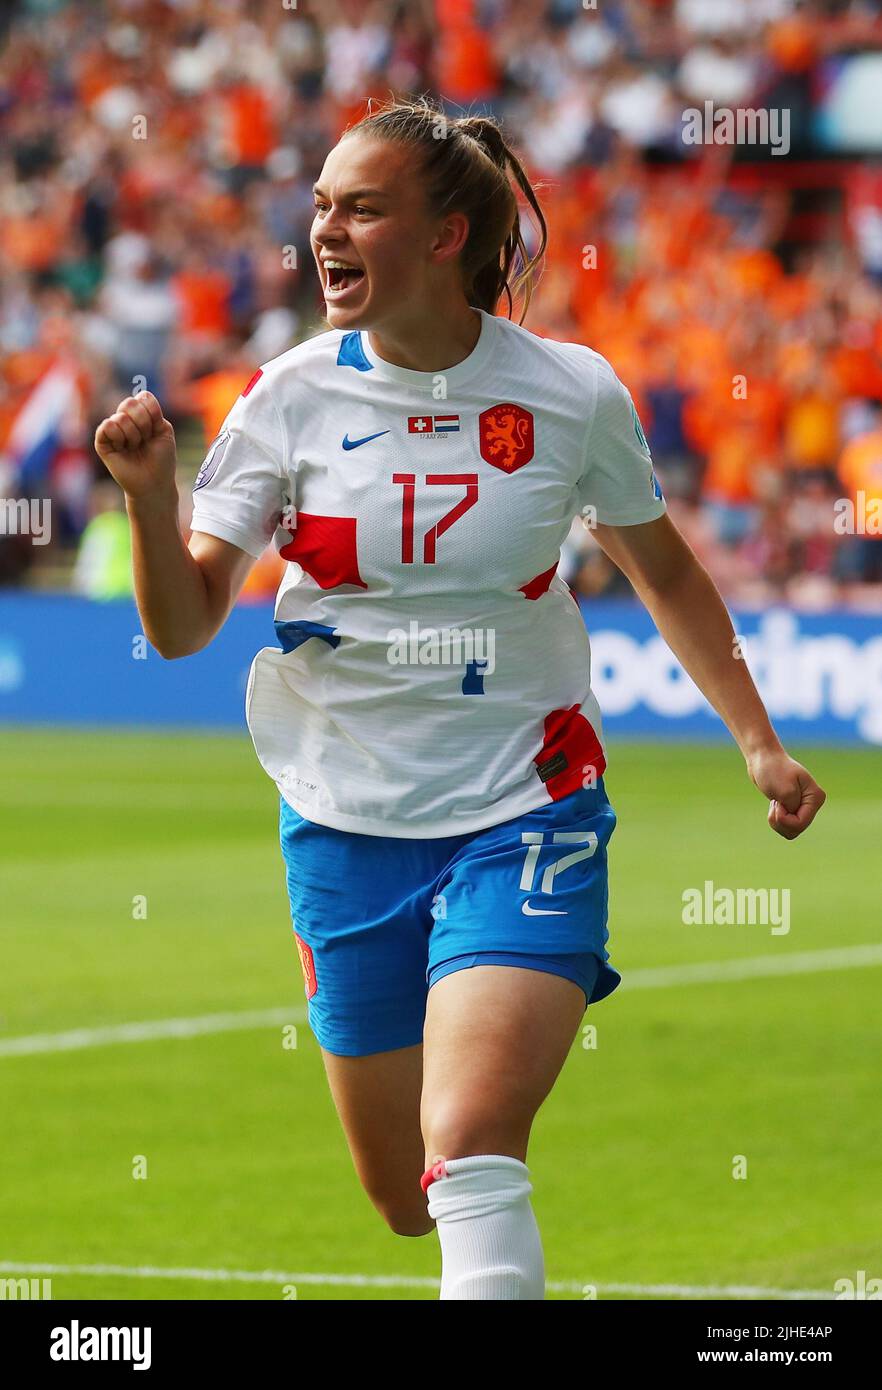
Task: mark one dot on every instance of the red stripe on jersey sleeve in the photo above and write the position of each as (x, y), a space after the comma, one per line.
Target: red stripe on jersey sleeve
(571, 749)
(254, 380)
(325, 547)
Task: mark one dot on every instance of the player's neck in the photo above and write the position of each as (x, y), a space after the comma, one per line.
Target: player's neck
(437, 348)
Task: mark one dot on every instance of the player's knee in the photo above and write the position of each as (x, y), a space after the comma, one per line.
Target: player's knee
(454, 1129)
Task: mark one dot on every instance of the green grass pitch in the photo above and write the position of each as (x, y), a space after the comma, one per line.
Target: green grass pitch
(247, 1170)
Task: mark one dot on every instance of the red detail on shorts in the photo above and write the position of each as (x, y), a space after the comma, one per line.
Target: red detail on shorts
(570, 737)
(539, 586)
(325, 547)
(437, 1170)
(257, 375)
(307, 965)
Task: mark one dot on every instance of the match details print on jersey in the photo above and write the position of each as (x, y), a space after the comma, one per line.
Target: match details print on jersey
(433, 673)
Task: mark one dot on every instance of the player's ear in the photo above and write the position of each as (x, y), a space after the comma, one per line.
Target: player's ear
(452, 237)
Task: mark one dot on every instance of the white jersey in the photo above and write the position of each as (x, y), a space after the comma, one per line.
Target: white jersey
(433, 672)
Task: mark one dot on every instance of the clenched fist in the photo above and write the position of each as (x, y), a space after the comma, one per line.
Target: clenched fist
(795, 796)
(137, 446)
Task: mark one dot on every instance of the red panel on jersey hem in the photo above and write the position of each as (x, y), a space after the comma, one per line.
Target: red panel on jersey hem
(539, 586)
(571, 749)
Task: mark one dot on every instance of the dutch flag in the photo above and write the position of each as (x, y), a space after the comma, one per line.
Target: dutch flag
(41, 426)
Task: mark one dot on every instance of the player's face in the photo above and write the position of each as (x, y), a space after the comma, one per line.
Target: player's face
(371, 213)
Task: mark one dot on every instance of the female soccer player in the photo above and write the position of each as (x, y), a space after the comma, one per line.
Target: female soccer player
(427, 714)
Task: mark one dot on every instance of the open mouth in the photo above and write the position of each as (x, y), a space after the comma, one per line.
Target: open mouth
(341, 280)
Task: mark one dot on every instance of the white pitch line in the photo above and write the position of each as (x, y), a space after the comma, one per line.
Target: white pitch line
(402, 1281)
(663, 977)
(753, 967)
(149, 1031)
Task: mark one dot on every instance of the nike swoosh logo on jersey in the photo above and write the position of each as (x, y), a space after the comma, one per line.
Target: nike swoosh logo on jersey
(354, 443)
(529, 911)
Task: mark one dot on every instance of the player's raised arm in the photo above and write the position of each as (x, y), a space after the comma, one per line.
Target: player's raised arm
(183, 594)
(691, 616)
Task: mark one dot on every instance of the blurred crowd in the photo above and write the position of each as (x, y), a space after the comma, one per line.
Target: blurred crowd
(156, 164)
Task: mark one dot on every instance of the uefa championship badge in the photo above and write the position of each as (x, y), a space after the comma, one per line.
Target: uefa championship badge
(212, 459)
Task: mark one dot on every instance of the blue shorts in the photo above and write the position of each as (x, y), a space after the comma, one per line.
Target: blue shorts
(378, 919)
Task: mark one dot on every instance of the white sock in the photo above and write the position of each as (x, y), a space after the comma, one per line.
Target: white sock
(490, 1243)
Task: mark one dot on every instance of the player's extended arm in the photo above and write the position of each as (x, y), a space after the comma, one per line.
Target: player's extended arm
(688, 611)
(184, 595)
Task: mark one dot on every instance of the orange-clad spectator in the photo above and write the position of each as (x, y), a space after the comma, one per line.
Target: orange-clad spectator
(762, 407)
(729, 473)
(707, 414)
(213, 396)
(94, 74)
(796, 361)
(754, 270)
(217, 210)
(793, 42)
(729, 484)
(671, 236)
(250, 133)
(347, 113)
(811, 429)
(453, 13)
(466, 70)
(30, 242)
(591, 274)
(856, 371)
(791, 295)
(701, 353)
(203, 294)
(553, 317)
(182, 123)
(747, 398)
(30, 239)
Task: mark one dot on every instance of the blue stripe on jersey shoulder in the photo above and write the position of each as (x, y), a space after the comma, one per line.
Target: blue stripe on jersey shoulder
(351, 353)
